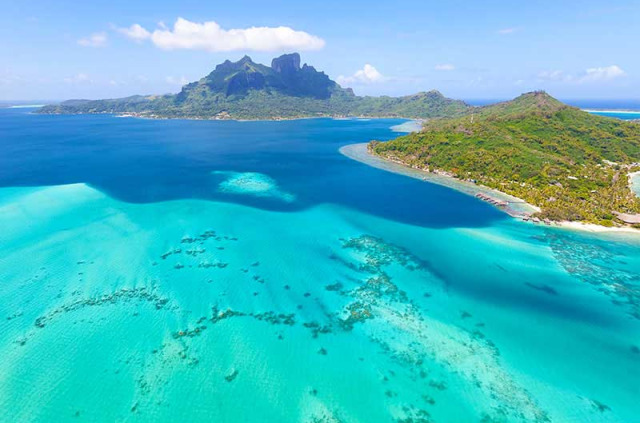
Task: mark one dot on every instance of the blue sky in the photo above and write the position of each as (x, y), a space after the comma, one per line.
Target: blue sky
(466, 49)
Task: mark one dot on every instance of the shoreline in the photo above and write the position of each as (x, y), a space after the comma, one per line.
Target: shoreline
(517, 208)
(621, 111)
(593, 228)
(410, 126)
(230, 119)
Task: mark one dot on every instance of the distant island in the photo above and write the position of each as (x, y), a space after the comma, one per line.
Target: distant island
(573, 165)
(249, 90)
(570, 164)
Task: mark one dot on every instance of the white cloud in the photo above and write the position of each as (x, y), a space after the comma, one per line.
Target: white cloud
(445, 67)
(555, 75)
(135, 32)
(209, 36)
(79, 78)
(507, 31)
(606, 73)
(10, 79)
(591, 75)
(98, 39)
(366, 75)
(176, 81)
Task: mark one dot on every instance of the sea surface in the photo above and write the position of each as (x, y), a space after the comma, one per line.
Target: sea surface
(618, 114)
(203, 271)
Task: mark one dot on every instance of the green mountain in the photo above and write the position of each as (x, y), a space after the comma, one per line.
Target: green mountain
(572, 164)
(285, 77)
(249, 90)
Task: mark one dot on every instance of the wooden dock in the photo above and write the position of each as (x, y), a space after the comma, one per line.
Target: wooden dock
(489, 199)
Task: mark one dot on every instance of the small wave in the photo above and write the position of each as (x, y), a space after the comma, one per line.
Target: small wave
(624, 112)
(26, 106)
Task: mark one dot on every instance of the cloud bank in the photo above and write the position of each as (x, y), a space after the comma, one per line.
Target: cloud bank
(135, 32)
(367, 75)
(445, 67)
(209, 36)
(176, 80)
(98, 39)
(603, 74)
(590, 75)
(78, 79)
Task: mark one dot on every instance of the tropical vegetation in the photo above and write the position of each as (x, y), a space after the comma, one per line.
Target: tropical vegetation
(572, 164)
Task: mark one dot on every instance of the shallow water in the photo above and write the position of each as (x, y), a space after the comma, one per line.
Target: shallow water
(635, 183)
(618, 114)
(246, 271)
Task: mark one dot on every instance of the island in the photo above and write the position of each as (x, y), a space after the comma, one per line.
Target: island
(569, 165)
(249, 90)
(572, 165)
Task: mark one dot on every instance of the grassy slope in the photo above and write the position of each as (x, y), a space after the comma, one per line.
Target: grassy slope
(552, 155)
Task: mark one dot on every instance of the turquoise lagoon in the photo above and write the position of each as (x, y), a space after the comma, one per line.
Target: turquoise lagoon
(618, 114)
(161, 271)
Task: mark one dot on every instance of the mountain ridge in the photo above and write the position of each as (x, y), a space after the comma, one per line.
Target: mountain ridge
(248, 90)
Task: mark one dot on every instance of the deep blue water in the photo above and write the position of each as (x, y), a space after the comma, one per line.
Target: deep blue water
(142, 161)
(147, 290)
(627, 104)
